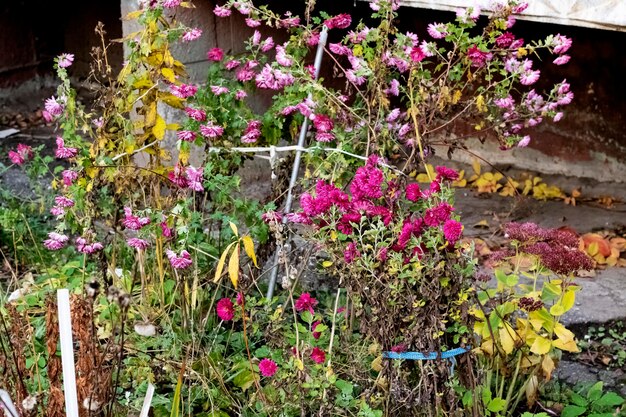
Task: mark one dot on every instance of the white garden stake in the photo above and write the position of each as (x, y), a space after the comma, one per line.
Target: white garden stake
(7, 405)
(67, 353)
(147, 401)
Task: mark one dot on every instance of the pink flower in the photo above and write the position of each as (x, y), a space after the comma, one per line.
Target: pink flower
(225, 309)
(170, 4)
(99, 122)
(57, 211)
(211, 130)
(563, 59)
(523, 142)
(179, 262)
(53, 107)
(195, 177)
(477, 57)
(55, 241)
(133, 222)
(529, 77)
(252, 132)
(445, 173)
(195, 114)
(313, 39)
(438, 215)
(394, 88)
(305, 302)
(505, 40)
(505, 103)
(219, 90)
(137, 243)
(267, 44)
(417, 54)
(88, 248)
(272, 217)
(183, 90)
(186, 135)
(367, 181)
(413, 192)
(437, 30)
(216, 54)
(252, 23)
(22, 154)
(452, 230)
(520, 8)
(557, 116)
(166, 230)
(282, 58)
(340, 21)
(65, 60)
(324, 137)
(221, 11)
(192, 35)
(323, 123)
(69, 177)
(316, 335)
(351, 253)
(561, 44)
(240, 95)
(318, 355)
(63, 201)
(62, 151)
(178, 176)
(232, 64)
(267, 367)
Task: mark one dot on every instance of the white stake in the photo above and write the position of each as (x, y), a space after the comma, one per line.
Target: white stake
(67, 353)
(9, 407)
(147, 401)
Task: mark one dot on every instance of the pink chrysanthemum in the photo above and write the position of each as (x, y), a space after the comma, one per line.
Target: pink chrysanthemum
(137, 243)
(186, 135)
(351, 253)
(452, 230)
(179, 262)
(133, 222)
(196, 114)
(438, 215)
(195, 177)
(561, 44)
(216, 55)
(166, 231)
(22, 154)
(63, 201)
(282, 58)
(272, 217)
(170, 4)
(316, 335)
(221, 11)
(267, 367)
(218, 90)
(562, 60)
(367, 181)
(252, 23)
(53, 107)
(211, 130)
(65, 60)
(341, 21)
(477, 57)
(183, 90)
(83, 246)
(55, 241)
(69, 177)
(252, 132)
(446, 174)
(57, 211)
(323, 123)
(225, 309)
(437, 30)
(318, 355)
(523, 142)
(240, 95)
(530, 77)
(232, 64)
(192, 35)
(63, 151)
(305, 302)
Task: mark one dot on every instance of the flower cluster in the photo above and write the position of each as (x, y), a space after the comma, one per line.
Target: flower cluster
(22, 154)
(187, 177)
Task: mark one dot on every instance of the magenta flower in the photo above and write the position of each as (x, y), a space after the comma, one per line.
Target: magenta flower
(351, 253)
(561, 44)
(252, 23)
(137, 243)
(179, 262)
(557, 117)
(323, 123)
(63, 201)
(55, 241)
(178, 176)
(69, 177)
(324, 137)
(232, 64)
(65, 60)
(438, 215)
(252, 132)
(267, 367)
(563, 59)
(219, 90)
(196, 114)
(240, 95)
(57, 211)
(282, 58)
(211, 130)
(64, 152)
(394, 88)
(452, 230)
(477, 57)
(523, 142)
(417, 54)
(529, 77)
(183, 90)
(367, 181)
(221, 11)
(166, 230)
(446, 174)
(225, 309)
(267, 44)
(195, 177)
(341, 21)
(170, 4)
(192, 35)
(505, 40)
(216, 55)
(318, 355)
(133, 222)
(305, 302)
(83, 246)
(186, 135)
(22, 154)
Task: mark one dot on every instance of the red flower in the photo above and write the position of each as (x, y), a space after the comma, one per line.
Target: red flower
(340, 21)
(306, 302)
(318, 355)
(215, 54)
(417, 54)
(267, 367)
(225, 309)
(413, 192)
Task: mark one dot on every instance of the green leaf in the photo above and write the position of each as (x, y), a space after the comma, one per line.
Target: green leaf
(610, 399)
(496, 405)
(573, 411)
(595, 392)
(578, 399)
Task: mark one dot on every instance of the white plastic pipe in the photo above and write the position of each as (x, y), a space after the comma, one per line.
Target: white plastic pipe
(147, 401)
(9, 407)
(67, 353)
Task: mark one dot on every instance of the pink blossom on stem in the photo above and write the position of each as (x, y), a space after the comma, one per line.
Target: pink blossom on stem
(65, 60)
(452, 230)
(252, 23)
(196, 114)
(252, 132)
(63, 201)
(179, 262)
(267, 44)
(562, 60)
(240, 95)
(64, 152)
(305, 302)
(221, 11)
(133, 222)
(505, 40)
(351, 253)
(529, 77)
(437, 30)
(318, 355)
(216, 55)
(22, 154)
(186, 135)
(413, 192)
(83, 246)
(446, 174)
(218, 90)
(561, 44)
(557, 116)
(282, 58)
(232, 64)
(192, 34)
(69, 177)
(57, 211)
(523, 142)
(225, 309)
(195, 177)
(394, 88)
(267, 367)
(137, 243)
(55, 241)
(211, 130)
(53, 107)
(341, 21)
(477, 57)
(367, 181)
(183, 90)
(170, 4)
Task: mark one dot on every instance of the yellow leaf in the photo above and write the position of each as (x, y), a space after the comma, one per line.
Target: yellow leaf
(248, 245)
(507, 338)
(541, 345)
(173, 126)
(557, 310)
(476, 166)
(570, 346)
(171, 100)
(91, 172)
(169, 75)
(593, 249)
(133, 15)
(568, 299)
(159, 128)
(563, 333)
(548, 366)
(532, 390)
(377, 364)
(233, 266)
(299, 364)
(327, 264)
(151, 114)
(221, 263)
(233, 227)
